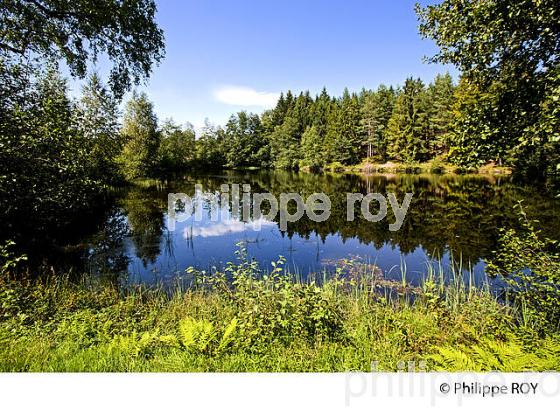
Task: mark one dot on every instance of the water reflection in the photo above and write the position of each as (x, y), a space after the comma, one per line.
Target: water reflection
(449, 215)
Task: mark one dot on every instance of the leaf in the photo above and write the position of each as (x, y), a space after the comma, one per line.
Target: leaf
(227, 337)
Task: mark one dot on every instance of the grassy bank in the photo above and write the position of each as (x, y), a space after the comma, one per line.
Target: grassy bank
(431, 167)
(242, 320)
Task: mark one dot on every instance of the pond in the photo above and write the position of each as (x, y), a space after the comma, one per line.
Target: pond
(450, 217)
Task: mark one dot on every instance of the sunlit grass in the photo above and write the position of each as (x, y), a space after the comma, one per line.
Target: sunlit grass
(244, 319)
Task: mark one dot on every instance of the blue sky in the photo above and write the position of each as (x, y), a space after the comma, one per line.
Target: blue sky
(224, 56)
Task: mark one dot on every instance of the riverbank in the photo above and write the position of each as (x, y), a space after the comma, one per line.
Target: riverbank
(430, 167)
(266, 323)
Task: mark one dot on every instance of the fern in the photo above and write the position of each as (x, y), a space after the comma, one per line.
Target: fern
(499, 356)
(452, 360)
(196, 334)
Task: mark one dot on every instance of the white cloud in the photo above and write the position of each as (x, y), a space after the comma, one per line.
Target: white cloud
(225, 227)
(245, 97)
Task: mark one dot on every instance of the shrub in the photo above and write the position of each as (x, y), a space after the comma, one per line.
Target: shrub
(530, 265)
(274, 305)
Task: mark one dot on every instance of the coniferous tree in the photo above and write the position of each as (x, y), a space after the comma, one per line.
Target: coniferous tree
(349, 144)
(441, 99)
(376, 110)
(320, 112)
(407, 124)
(333, 132)
(312, 146)
(285, 144)
(302, 111)
(279, 112)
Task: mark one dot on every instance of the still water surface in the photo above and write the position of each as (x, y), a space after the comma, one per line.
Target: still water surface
(458, 216)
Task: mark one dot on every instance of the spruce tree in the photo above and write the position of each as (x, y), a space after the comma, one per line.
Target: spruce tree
(285, 144)
(376, 111)
(407, 124)
(441, 98)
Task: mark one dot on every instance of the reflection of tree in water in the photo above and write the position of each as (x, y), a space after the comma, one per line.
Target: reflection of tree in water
(448, 213)
(107, 254)
(144, 210)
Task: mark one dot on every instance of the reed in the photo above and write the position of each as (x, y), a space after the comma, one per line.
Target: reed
(246, 319)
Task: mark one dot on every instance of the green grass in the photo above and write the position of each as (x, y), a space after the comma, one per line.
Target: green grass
(244, 320)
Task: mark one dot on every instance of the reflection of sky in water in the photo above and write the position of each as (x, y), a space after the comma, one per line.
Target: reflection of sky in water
(208, 243)
(224, 225)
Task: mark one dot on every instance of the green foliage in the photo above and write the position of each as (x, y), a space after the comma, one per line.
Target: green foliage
(412, 124)
(70, 147)
(530, 265)
(376, 110)
(312, 143)
(273, 306)
(196, 334)
(244, 142)
(440, 100)
(343, 130)
(284, 144)
(407, 141)
(203, 337)
(473, 141)
(177, 147)
(492, 355)
(79, 31)
(210, 147)
(8, 260)
(507, 52)
(312, 133)
(97, 118)
(140, 132)
(247, 319)
(38, 131)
